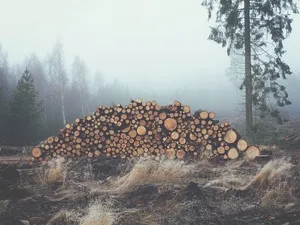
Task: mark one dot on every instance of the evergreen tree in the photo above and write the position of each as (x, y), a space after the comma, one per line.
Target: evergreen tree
(259, 29)
(25, 114)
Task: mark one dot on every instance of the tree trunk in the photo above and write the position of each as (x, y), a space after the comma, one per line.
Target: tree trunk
(63, 104)
(81, 102)
(248, 76)
(52, 114)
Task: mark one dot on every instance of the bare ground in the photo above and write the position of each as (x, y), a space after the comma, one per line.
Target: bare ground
(107, 192)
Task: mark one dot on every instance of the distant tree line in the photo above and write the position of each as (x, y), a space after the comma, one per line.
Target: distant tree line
(40, 97)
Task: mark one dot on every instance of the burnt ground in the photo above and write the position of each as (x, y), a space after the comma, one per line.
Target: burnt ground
(264, 191)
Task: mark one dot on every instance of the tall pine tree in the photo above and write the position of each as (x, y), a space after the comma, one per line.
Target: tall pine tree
(25, 113)
(259, 29)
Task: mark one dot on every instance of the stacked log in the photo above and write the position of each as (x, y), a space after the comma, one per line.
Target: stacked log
(146, 129)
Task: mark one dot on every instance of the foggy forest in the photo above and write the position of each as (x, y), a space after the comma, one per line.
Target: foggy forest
(104, 59)
(66, 63)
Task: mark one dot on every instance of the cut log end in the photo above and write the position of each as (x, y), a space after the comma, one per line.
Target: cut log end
(252, 152)
(242, 145)
(232, 153)
(186, 109)
(132, 133)
(126, 129)
(174, 135)
(211, 115)
(162, 115)
(36, 152)
(50, 140)
(97, 153)
(141, 130)
(230, 136)
(221, 150)
(203, 115)
(180, 154)
(170, 124)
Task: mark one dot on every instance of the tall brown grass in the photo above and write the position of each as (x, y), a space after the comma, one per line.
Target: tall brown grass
(270, 184)
(53, 171)
(99, 213)
(150, 172)
(273, 184)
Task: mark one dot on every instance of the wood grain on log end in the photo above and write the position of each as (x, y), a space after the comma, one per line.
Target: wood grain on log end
(180, 154)
(36, 152)
(230, 136)
(232, 153)
(252, 152)
(170, 124)
(242, 145)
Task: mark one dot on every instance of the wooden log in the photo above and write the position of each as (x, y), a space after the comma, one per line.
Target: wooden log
(180, 154)
(186, 109)
(221, 150)
(230, 136)
(174, 135)
(170, 124)
(141, 130)
(232, 153)
(203, 115)
(242, 145)
(211, 115)
(252, 152)
(36, 152)
(132, 133)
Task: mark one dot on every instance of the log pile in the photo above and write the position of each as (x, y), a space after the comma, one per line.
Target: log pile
(146, 129)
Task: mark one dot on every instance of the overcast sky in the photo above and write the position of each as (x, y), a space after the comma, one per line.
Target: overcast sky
(140, 41)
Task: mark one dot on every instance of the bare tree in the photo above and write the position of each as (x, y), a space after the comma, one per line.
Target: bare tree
(80, 84)
(98, 82)
(58, 75)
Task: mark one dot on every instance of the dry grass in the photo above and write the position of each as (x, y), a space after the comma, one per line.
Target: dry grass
(273, 184)
(135, 216)
(103, 213)
(116, 200)
(99, 214)
(152, 172)
(96, 213)
(54, 171)
(273, 173)
(65, 217)
(228, 176)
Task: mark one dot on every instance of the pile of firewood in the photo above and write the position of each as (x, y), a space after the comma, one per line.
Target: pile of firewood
(146, 129)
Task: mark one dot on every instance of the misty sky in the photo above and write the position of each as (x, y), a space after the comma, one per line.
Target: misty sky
(141, 42)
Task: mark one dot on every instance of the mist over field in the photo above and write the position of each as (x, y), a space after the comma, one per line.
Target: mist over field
(158, 50)
(117, 112)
